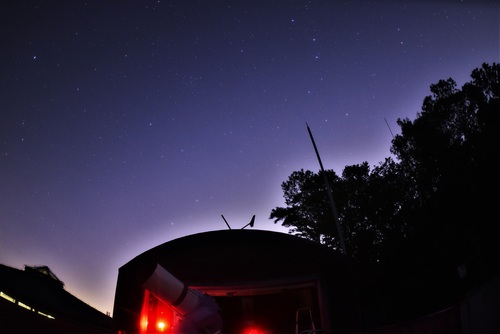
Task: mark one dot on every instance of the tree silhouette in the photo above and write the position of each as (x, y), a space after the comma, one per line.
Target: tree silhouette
(451, 152)
(430, 210)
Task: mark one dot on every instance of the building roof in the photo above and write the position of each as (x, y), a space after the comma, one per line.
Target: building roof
(232, 255)
(233, 262)
(44, 270)
(39, 291)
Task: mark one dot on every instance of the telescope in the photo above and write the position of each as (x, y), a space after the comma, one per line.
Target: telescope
(198, 311)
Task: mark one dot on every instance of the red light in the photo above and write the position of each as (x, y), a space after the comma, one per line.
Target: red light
(162, 326)
(253, 330)
(156, 316)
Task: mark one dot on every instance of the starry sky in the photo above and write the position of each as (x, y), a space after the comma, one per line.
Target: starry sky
(127, 124)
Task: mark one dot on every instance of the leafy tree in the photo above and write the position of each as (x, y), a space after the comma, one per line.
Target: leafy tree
(451, 152)
(435, 204)
(308, 213)
(369, 209)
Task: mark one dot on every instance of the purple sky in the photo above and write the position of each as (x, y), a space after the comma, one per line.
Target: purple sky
(126, 124)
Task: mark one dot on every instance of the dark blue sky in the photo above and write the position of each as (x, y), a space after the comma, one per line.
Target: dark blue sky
(126, 124)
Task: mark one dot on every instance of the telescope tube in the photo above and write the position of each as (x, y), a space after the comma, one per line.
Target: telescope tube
(199, 311)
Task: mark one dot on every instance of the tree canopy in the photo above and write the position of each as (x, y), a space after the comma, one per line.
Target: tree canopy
(430, 207)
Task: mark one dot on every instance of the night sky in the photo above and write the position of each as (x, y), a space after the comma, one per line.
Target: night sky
(126, 124)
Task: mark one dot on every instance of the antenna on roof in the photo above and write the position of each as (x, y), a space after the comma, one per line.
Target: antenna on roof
(225, 221)
(252, 221)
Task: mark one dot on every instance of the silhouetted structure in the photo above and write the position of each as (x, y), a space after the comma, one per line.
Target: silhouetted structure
(260, 279)
(34, 301)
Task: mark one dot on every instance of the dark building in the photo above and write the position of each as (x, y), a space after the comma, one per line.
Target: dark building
(34, 301)
(268, 281)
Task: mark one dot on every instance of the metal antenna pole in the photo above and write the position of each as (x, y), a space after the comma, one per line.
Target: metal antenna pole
(252, 222)
(225, 221)
(330, 195)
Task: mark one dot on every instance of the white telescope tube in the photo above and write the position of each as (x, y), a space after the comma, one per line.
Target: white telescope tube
(199, 311)
(170, 290)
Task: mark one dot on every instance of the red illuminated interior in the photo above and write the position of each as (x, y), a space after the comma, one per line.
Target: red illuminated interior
(254, 312)
(253, 330)
(156, 316)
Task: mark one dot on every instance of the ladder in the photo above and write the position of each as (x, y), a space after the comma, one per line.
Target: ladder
(312, 329)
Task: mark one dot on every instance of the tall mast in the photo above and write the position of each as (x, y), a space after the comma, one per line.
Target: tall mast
(330, 195)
